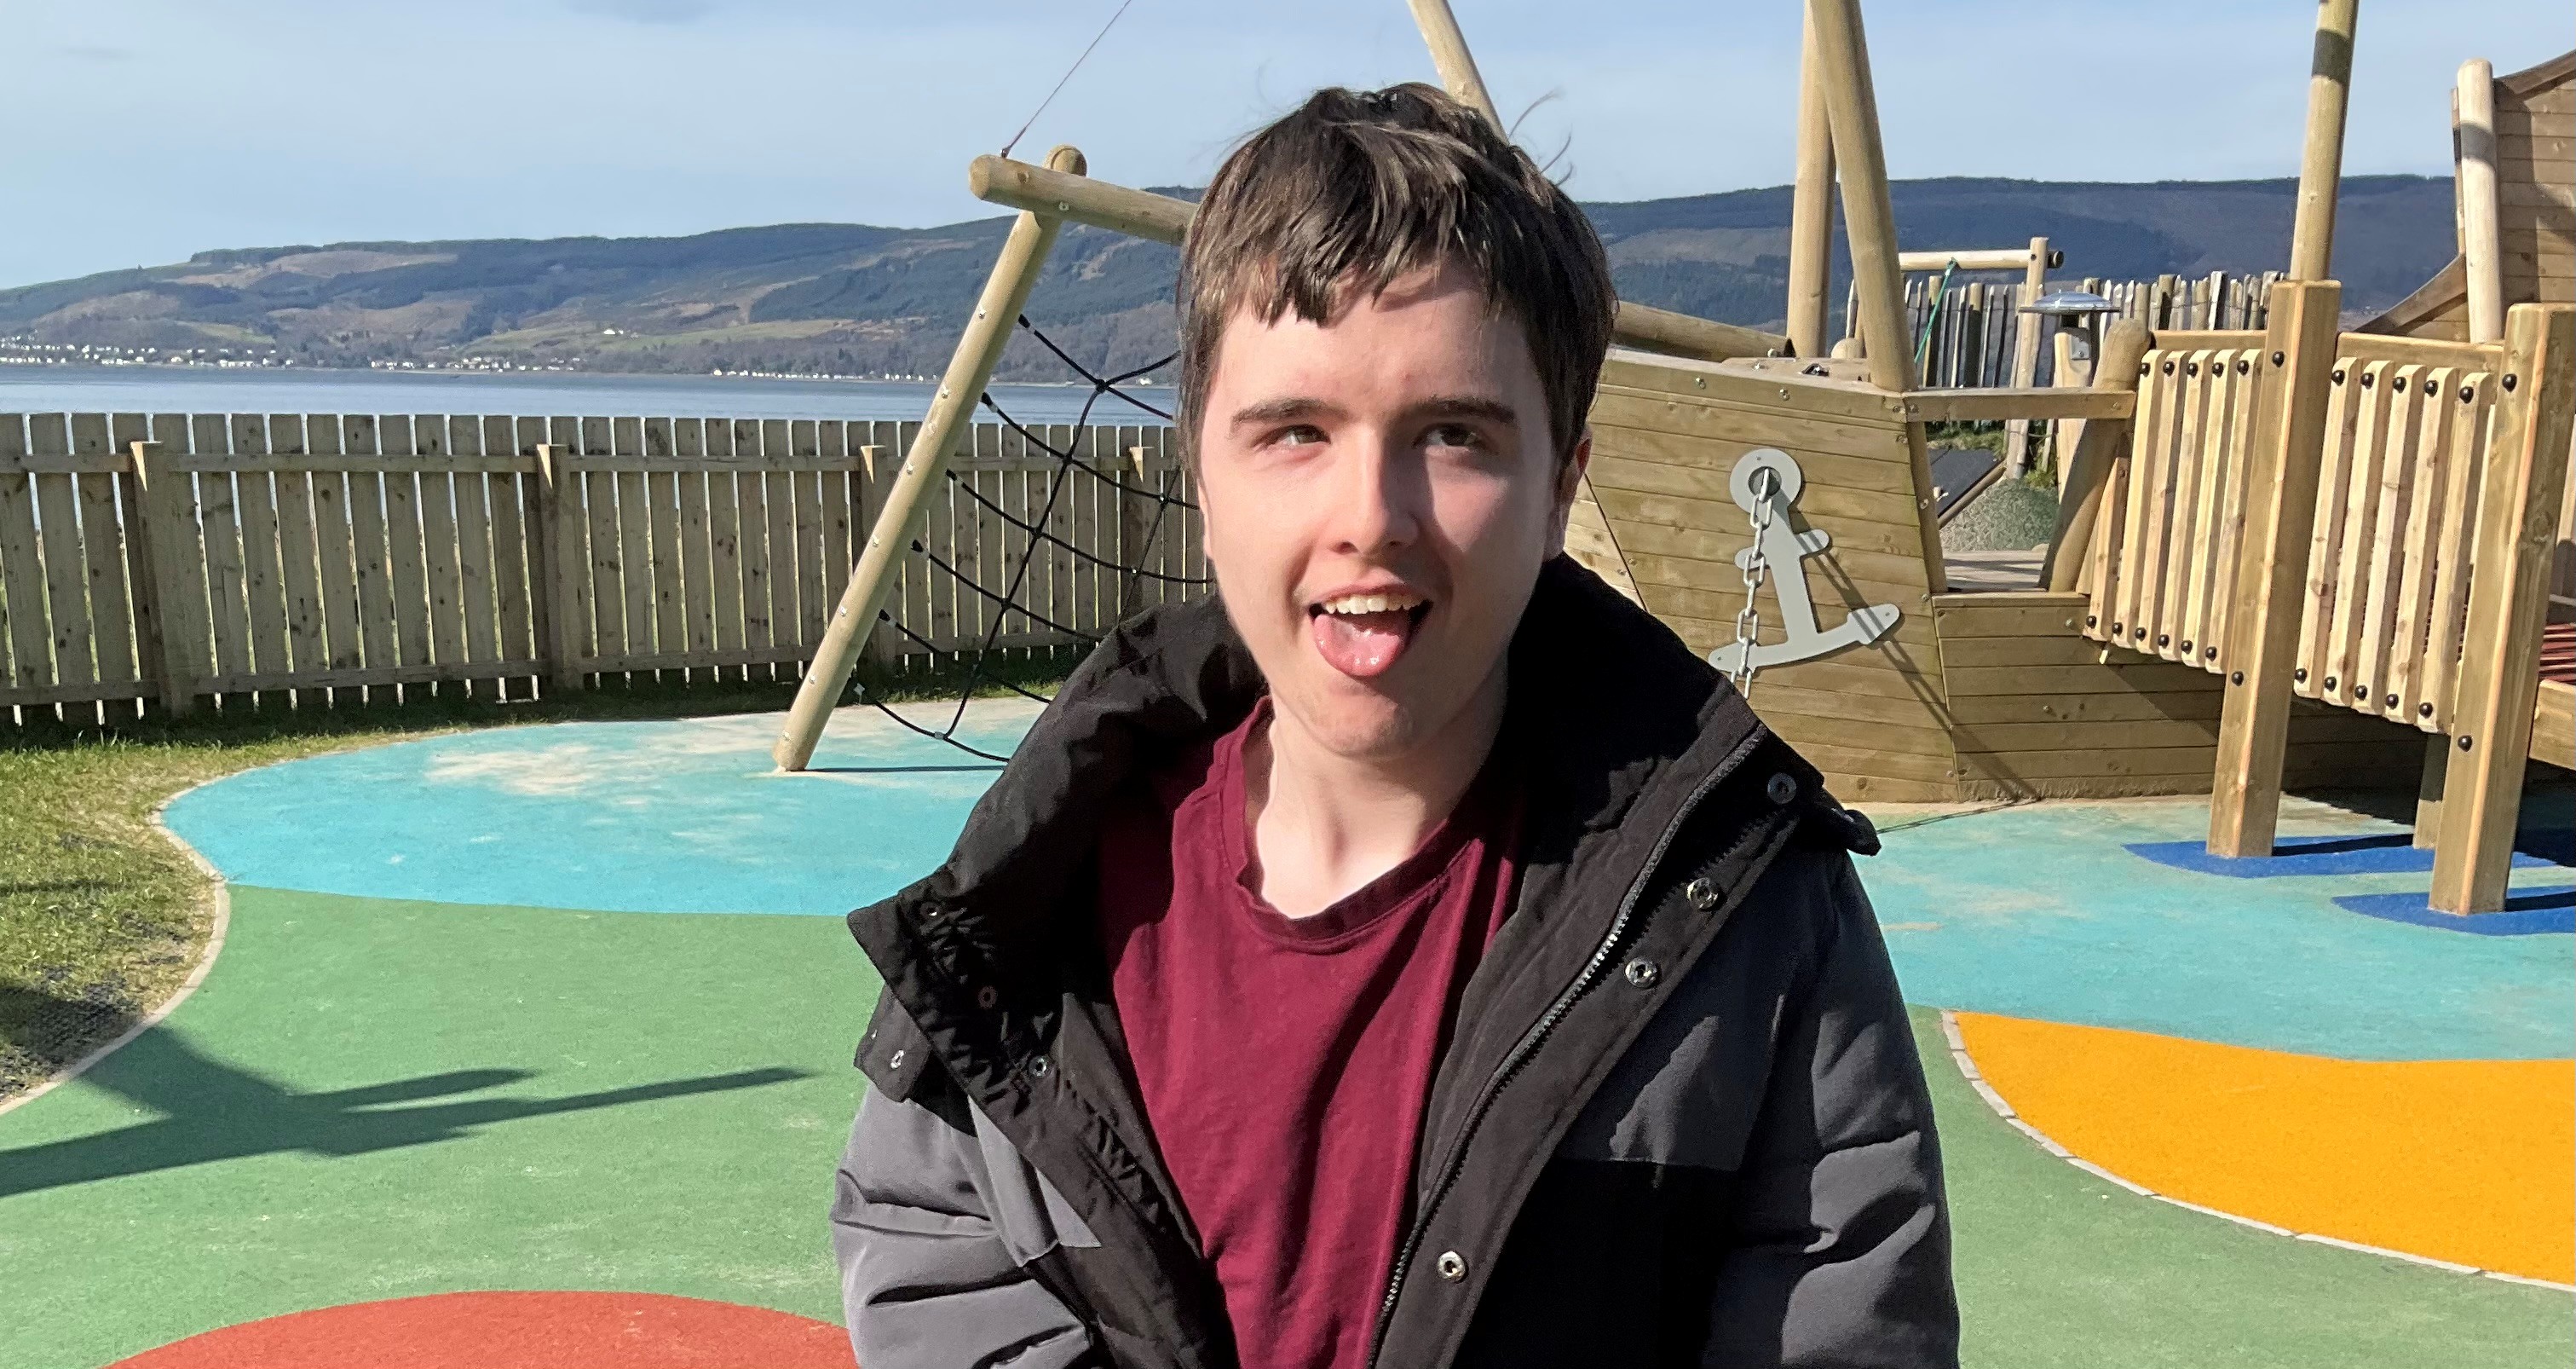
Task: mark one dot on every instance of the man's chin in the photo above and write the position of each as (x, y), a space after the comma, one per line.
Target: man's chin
(1355, 720)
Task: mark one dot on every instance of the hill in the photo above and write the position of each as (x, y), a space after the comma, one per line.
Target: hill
(853, 299)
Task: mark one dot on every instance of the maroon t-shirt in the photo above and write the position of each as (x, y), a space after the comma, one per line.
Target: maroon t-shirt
(1285, 1062)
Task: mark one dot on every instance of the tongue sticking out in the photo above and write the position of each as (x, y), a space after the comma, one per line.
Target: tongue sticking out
(1362, 645)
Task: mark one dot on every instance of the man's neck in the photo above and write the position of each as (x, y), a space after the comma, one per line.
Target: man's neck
(1324, 825)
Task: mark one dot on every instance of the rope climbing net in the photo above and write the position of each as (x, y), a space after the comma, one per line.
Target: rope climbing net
(1152, 506)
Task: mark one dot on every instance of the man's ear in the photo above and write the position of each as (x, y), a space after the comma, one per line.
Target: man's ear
(1569, 483)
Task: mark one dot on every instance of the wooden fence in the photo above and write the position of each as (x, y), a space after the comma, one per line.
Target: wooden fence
(172, 556)
(1979, 324)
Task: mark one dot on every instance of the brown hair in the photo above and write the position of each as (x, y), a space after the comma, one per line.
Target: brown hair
(1357, 188)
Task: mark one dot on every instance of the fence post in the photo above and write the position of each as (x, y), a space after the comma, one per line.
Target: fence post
(2025, 364)
(2088, 468)
(2499, 681)
(562, 553)
(2280, 502)
(168, 528)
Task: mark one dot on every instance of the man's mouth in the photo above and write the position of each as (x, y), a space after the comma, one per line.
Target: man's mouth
(1361, 635)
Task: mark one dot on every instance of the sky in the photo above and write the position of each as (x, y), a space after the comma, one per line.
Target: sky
(138, 132)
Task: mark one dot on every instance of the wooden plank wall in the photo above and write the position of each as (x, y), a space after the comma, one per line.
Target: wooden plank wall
(1666, 437)
(2535, 125)
(1977, 323)
(2042, 712)
(329, 556)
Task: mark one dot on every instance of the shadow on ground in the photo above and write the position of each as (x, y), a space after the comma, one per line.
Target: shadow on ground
(210, 1110)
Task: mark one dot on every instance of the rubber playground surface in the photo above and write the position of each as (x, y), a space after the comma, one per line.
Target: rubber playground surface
(531, 1046)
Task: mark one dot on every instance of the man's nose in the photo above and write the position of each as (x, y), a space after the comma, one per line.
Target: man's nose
(1377, 504)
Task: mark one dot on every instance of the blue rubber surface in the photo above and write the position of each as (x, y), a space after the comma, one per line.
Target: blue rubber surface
(2382, 853)
(2529, 912)
(2038, 911)
(684, 816)
(2042, 912)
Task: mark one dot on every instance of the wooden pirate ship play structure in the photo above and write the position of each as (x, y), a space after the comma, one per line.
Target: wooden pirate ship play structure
(2288, 555)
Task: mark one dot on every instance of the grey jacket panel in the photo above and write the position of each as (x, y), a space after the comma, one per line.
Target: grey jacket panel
(935, 1229)
(1839, 1247)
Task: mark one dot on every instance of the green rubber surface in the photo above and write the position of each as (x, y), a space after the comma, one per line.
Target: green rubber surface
(374, 1099)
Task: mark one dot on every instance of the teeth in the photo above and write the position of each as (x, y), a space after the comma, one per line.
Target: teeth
(1371, 603)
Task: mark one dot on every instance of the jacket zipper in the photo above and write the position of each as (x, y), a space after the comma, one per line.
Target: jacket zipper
(1621, 925)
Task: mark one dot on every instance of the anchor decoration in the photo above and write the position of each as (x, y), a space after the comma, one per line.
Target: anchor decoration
(1778, 545)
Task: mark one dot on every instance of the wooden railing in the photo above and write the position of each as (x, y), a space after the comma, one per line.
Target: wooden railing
(174, 556)
(2389, 561)
(2389, 555)
(2161, 574)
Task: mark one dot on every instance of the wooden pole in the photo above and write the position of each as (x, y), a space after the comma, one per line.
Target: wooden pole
(2499, 681)
(1811, 210)
(2097, 449)
(1869, 218)
(1142, 214)
(2025, 363)
(979, 348)
(168, 530)
(2481, 242)
(2321, 163)
(1457, 66)
(2280, 503)
(563, 564)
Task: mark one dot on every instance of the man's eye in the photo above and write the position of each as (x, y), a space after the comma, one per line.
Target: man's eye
(1452, 435)
(1301, 435)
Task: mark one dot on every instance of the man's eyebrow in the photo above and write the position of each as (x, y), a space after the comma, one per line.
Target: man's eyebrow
(1285, 409)
(1470, 406)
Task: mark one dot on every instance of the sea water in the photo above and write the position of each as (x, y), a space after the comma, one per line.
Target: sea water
(299, 390)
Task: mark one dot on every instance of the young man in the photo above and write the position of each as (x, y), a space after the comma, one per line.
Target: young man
(1416, 956)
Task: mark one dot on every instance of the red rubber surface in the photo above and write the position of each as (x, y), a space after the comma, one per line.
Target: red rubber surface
(519, 1330)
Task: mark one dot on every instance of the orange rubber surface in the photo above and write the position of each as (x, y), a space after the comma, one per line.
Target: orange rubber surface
(2472, 1161)
(517, 1330)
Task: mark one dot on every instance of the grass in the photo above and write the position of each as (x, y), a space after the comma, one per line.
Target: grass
(102, 917)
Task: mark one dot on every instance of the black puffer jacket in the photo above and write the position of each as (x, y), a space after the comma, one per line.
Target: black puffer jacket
(1682, 1121)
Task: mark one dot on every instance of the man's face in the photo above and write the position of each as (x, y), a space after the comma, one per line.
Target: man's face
(1379, 493)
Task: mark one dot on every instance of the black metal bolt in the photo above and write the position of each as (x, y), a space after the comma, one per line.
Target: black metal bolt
(2365, 380)
(2278, 358)
(2191, 368)
(2392, 702)
(2464, 742)
(2243, 366)
(2432, 387)
(2186, 646)
(2338, 376)
(2092, 620)
(2509, 379)
(2168, 368)
(2361, 691)
(2164, 639)
(2330, 684)
(2236, 677)
(2141, 634)
(2300, 675)
(2210, 654)
(2468, 394)
(2424, 710)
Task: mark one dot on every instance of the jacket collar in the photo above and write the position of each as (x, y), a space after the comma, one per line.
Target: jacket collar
(1175, 676)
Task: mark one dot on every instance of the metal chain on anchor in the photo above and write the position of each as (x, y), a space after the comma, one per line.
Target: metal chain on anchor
(1748, 620)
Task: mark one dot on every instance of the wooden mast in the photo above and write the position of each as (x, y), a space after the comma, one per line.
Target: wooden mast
(1811, 209)
(979, 348)
(2321, 162)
